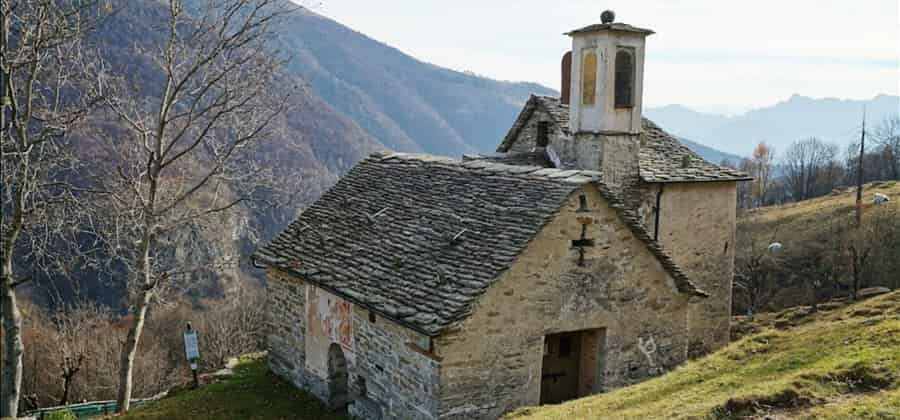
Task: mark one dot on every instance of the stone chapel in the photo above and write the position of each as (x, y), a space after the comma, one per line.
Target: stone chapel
(592, 251)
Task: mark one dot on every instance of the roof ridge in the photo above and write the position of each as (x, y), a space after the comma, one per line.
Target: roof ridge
(580, 176)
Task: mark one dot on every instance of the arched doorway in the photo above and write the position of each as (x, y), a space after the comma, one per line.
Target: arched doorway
(337, 377)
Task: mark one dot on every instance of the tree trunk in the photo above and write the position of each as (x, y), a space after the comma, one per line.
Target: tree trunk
(67, 383)
(13, 347)
(855, 265)
(129, 348)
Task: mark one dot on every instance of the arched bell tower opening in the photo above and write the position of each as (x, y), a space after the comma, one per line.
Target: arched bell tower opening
(589, 78)
(624, 78)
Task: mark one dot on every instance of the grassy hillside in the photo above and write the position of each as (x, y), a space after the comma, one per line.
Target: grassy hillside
(252, 393)
(817, 235)
(843, 363)
(800, 221)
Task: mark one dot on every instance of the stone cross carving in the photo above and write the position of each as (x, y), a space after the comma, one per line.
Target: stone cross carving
(584, 241)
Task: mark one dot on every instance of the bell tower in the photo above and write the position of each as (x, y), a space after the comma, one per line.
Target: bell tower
(604, 91)
(606, 79)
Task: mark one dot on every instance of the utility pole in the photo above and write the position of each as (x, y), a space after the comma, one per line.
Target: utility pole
(859, 171)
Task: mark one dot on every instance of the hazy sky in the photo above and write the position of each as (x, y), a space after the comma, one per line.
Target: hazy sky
(712, 55)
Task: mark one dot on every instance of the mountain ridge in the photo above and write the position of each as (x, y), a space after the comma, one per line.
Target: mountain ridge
(407, 104)
(831, 119)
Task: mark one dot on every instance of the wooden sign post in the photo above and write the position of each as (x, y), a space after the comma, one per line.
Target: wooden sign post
(192, 351)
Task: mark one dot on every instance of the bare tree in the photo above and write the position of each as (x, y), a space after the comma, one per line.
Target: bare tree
(231, 327)
(42, 101)
(804, 163)
(860, 249)
(73, 325)
(754, 266)
(761, 160)
(183, 160)
(887, 136)
(745, 189)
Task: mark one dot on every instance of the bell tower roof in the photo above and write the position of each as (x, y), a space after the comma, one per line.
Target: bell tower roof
(612, 26)
(607, 23)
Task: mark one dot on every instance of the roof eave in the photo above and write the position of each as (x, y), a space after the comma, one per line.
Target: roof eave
(355, 301)
(688, 181)
(523, 116)
(612, 27)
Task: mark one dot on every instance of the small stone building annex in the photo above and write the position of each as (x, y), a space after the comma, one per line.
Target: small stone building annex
(592, 251)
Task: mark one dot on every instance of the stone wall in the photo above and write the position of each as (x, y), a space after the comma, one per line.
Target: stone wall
(697, 228)
(286, 332)
(615, 155)
(618, 158)
(492, 362)
(526, 139)
(391, 375)
(401, 377)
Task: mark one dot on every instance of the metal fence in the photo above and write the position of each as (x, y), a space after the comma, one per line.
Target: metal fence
(86, 410)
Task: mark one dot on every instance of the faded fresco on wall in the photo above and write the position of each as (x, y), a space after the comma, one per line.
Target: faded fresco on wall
(328, 320)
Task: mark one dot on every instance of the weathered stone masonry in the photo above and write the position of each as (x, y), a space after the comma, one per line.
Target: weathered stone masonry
(402, 379)
(389, 377)
(697, 223)
(492, 363)
(696, 211)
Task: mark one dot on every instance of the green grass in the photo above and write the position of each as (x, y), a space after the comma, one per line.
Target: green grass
(883, 405)
(844, 364)
(252, 393)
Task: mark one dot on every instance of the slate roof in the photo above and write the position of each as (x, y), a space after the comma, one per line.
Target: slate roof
(665, 159)
(614, 26)
(417, 238)
(534, 158)
(662, 157)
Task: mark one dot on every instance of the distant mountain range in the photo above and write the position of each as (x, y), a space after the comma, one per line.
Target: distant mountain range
(710, 154)
(833, 120)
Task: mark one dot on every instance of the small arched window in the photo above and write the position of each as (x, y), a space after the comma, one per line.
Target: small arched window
(624, 78)
(589, 78)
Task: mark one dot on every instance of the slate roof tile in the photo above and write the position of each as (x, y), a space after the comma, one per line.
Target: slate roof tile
(418, 238)
(665, 159)
(662, 157)
(534, 158)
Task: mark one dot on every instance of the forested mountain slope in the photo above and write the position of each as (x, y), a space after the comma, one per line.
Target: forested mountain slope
(406, 104)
